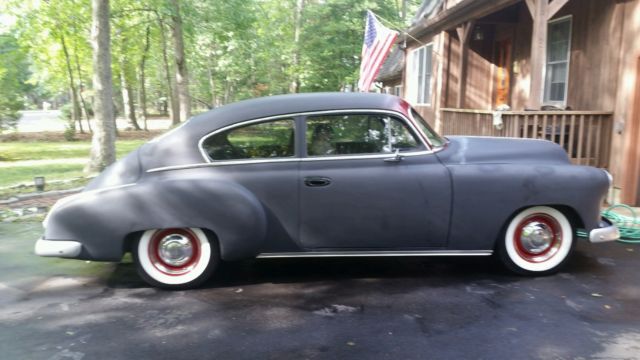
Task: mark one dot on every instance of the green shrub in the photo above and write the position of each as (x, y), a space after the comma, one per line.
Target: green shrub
(65, 112)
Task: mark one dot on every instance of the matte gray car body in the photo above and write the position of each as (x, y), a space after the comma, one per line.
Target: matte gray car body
(450, 200)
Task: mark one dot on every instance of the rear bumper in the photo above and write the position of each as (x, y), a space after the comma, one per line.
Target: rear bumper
(58, 248)
(606, 232)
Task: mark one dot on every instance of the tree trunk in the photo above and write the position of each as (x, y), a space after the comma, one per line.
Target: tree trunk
(171, 88)
(103, 150)
(142, 94)
(128, 106)
(227, 91)
(182, 75)
(212, 82)
(83, 103)
(75, 105)
(295, 61)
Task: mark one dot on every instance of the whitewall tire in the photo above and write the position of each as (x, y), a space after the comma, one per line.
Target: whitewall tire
(177, 258)
(537, 241)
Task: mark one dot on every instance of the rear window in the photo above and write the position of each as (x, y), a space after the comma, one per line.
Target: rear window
(269, 139)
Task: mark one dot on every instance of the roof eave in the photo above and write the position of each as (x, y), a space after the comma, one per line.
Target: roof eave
(450, 18)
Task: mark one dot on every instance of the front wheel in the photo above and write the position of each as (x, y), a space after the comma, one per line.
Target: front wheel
(179, 258)
(537, 241)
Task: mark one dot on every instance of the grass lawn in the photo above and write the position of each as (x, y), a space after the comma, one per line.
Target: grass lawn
(15, 152)
(24, 174)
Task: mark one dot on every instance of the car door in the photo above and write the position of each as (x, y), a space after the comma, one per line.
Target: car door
(369, 182)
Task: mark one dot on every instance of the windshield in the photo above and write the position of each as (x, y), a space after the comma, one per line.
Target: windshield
(435, 139)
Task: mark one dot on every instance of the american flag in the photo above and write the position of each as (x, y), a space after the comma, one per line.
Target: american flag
(377, 42)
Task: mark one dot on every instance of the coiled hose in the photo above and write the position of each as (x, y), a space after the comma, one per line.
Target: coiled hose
(629, 226)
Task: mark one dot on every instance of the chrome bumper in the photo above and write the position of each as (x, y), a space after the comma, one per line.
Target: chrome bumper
(58, 248)
(606, 232)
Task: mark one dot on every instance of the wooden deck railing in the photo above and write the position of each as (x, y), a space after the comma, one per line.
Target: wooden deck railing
(585, 135)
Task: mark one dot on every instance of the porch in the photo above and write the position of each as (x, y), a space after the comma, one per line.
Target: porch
(585, 135)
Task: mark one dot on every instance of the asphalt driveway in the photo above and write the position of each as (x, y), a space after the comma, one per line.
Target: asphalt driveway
(320, 309)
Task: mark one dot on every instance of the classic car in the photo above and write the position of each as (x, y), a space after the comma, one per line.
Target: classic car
(327, 175)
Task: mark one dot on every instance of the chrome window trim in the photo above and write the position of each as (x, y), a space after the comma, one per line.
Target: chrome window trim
(286, 160)
(222, 163)
(209, 163)
(408, 121)
(306, 254)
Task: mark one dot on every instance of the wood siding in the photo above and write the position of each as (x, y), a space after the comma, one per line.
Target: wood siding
(603, 77)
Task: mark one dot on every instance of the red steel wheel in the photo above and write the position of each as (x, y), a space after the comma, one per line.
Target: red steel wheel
(538, 240)
(175, 258)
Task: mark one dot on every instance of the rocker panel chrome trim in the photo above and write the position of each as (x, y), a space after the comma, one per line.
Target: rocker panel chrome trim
(375, 253)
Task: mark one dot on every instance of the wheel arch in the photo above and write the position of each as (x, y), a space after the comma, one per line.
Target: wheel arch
(131, 238)
(567, 210)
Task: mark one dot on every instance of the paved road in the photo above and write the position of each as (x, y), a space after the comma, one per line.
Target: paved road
(38, 120)
(320, 309)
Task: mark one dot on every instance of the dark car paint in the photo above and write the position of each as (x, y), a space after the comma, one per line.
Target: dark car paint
(492, 178)
(376, 204)
(458, 198)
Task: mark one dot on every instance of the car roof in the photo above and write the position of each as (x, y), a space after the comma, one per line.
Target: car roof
(290, 104)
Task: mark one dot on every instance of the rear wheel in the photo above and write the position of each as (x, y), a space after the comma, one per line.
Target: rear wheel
(178, 258)
(537, 241)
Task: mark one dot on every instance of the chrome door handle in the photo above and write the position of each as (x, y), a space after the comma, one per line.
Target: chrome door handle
(317, 181)
(396, 157)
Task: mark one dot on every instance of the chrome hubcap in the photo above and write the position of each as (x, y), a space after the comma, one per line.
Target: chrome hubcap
(536, 237)
(175, 250)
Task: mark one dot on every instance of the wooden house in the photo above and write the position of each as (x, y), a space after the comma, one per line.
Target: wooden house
(562, 70)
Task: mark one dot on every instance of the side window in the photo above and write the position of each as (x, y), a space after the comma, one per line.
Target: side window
(271, 139)
(358, 134)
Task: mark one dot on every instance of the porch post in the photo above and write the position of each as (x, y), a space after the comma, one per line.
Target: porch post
(464, 32)
(541, 11)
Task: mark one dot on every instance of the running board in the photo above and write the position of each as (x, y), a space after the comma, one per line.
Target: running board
(316, 254)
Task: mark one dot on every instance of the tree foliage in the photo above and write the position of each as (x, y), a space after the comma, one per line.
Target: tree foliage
(14, 73)
(234, 49)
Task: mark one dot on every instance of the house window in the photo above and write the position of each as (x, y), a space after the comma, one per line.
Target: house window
(557, 69)
(397, 90)
(422, 68)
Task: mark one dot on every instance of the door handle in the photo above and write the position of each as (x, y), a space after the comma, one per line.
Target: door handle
(396, 157)
(317, 181)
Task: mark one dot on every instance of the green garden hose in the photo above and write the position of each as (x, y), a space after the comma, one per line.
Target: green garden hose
(629, 226)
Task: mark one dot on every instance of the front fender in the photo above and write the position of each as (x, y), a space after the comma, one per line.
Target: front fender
(486, 196)
(101, 219)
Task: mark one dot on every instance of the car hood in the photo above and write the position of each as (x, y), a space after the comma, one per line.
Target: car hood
(463, 150)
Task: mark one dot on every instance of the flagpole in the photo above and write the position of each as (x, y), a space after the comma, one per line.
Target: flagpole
(392, 25)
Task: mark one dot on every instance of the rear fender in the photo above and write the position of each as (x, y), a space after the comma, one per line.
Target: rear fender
(102, 220)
